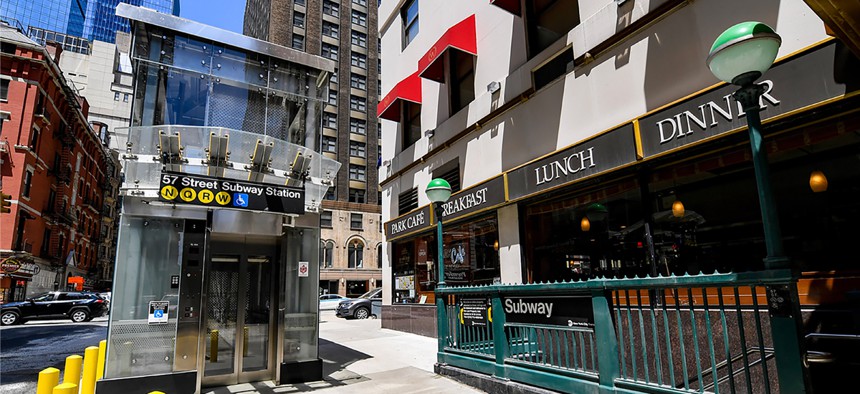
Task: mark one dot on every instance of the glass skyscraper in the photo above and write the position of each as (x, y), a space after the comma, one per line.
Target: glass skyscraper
(89, 19)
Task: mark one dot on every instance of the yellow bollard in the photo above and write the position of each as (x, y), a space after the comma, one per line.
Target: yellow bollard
(100, 367)
(72, 372)
(156, 392)
(66, 388)
(213, 346)
(48, 378)
(88, 381)
(245, 343)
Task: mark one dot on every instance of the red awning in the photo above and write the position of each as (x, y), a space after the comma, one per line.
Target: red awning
(512, 6)
(460, 36)
(408, 89)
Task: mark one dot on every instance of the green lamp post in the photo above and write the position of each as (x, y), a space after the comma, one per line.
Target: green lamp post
(438, 191)
(741, 55)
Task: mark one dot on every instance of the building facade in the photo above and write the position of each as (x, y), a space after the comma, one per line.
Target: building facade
(588, 139)
(343, 31)
(87, 19)
(57, 170)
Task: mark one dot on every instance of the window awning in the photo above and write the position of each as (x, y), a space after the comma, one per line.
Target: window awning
(512, 6)
(409, 89)
(460, 36)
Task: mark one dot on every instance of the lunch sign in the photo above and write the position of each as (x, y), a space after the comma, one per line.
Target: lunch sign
(227, 193)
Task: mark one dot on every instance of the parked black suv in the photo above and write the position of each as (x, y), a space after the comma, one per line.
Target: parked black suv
(359, 308)
(78, 306)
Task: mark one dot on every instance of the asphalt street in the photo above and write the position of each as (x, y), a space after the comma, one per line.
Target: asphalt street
(31, 347)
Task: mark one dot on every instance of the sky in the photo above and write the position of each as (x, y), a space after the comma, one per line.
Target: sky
(226, 14)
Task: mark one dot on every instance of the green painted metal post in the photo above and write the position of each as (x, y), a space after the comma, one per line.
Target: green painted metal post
(500, 340)
(783, 302)
(607, 343)
(441, 305)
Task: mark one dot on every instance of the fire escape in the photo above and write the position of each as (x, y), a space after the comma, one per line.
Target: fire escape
(63, 216)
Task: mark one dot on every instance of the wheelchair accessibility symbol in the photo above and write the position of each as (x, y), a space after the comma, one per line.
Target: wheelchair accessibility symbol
(158, 314)
(240, 200)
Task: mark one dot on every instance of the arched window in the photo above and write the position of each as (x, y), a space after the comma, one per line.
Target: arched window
(356, 254)
(379, 256)
(326, 254)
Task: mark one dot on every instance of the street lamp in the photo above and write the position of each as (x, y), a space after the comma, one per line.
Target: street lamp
(740, 56)
(438, 191)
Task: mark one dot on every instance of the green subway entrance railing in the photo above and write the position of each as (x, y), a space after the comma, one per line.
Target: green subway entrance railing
(675, 334)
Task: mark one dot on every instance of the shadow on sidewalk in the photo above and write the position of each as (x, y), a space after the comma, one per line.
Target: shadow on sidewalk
(336, 358)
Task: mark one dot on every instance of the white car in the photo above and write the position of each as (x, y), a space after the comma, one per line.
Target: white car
(329, 302)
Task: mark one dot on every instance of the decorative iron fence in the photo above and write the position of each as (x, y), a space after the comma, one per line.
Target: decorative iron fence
(677, 334)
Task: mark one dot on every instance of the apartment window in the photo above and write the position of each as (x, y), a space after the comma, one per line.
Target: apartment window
(4, 89)
(357, 196)
(325, 219)
(359, 18)
(356, 172)
(331, 194)
(329, 51)
(298, 19)
(333, 78)
(329, 120)
(355, 221)
(410, 124)
(8, 47)
(28, 180)
(357, 149)
(462, 80)
(299, 2)
(115, 96)
(329, 144)
(357, 126)
(331, 8)
(356, 249)
(357, 103)
(379, 251)
(330, 29)
(34, 139)
(358, 60)
(360, 2)
(299, 42)
(409, 15)
(332, 97)
(359, 39)
(46, 242)
(326, 254)
(547, 21)
(125, 97)
(358, 81)
(407, 201)
(379, 130)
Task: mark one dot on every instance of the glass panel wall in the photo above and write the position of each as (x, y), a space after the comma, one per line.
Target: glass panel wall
(148, 256)
(301, 313)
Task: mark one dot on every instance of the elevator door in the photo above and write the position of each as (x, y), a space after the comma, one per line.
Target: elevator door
(239, 315)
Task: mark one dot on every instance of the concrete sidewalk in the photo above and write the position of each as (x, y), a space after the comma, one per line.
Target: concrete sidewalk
(361, 357)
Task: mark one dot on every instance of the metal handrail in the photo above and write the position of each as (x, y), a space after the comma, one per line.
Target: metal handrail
(768, 354)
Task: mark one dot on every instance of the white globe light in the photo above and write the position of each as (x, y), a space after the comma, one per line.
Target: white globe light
(745, 50)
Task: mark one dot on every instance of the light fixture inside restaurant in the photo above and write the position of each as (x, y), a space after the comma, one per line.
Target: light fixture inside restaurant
(817, 181)
(678, 209)
(585, 224)
(496, 245)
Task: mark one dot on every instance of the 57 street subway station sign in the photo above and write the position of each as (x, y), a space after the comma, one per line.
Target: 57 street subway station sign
(227, 193)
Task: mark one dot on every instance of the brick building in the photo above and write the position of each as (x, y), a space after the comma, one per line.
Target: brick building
(56, 169)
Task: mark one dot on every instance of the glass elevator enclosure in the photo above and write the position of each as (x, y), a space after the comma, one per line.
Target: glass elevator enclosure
(222, 181)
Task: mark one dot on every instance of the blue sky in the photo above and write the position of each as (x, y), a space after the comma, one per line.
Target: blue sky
(226, 14)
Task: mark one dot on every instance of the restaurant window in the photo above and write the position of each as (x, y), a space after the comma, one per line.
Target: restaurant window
(461, 81)
(326, 219)
(355, 288)
(409, 17)
(357, 196)
(410, 124)
(547, 21)
(355, 254)
(407, 201)
(298, 19)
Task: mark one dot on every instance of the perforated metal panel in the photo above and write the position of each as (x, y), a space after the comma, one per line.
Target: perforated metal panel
(138, 348)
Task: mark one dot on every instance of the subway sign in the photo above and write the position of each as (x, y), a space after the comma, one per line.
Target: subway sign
(227, 193)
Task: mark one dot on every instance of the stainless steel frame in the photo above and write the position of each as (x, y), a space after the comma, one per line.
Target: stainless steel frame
(238, 245)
